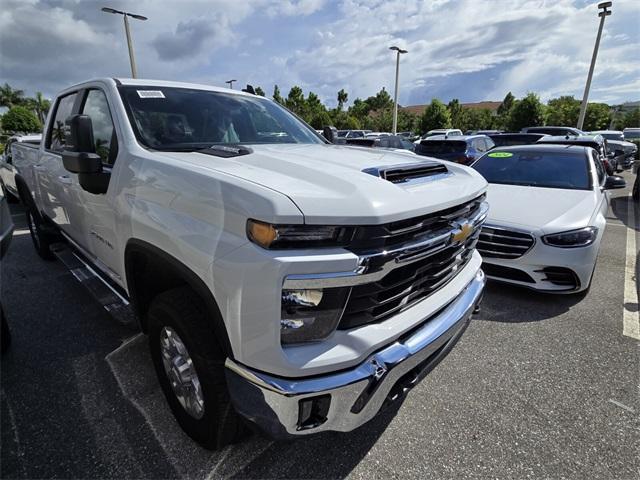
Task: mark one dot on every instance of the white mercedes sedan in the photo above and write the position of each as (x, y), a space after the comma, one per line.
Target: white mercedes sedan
(547, 215)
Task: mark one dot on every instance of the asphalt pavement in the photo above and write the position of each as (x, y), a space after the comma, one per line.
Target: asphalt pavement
(539, 386)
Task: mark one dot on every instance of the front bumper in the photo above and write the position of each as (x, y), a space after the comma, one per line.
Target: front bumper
(277, 405)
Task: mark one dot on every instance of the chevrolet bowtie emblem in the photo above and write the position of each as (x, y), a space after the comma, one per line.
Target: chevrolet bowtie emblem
(462, 233)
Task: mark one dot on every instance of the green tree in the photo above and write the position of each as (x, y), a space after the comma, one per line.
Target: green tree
(276, 95)
(459, 115)
(10, 97)
(480, 119)
(528, 112)
(259, 91)
(507, 103)
(20, 120)
(597, 117)
(435, 115)
(632, 119)
(563, 111)
(342, 98)
(407, 121)
(295, 101)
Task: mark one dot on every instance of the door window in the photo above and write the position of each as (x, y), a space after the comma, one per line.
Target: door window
(97, 108)
(56, 136)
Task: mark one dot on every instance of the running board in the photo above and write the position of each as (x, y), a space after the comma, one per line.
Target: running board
(114, 303)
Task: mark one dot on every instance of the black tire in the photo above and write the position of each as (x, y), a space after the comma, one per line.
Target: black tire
(41, 240)
(11, 198)
(184, 312)
(5, 334)
(636, 188)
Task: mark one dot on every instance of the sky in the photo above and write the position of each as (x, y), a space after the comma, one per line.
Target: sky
(472, 50)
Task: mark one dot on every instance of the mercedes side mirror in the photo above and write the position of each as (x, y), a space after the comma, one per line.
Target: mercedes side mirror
(614, 181)
(79, 155)
(330, 133)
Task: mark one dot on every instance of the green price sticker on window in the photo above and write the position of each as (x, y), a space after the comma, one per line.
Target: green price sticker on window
(501, 154)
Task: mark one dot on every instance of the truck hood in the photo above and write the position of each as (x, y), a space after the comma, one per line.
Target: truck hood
(547, 210)
(328, 185)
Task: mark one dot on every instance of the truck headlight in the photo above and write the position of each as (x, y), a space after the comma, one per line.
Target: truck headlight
(572, 238)
(297, 236)
(311, 315)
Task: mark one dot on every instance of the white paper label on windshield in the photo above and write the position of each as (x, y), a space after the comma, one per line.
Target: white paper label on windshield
(150, 94)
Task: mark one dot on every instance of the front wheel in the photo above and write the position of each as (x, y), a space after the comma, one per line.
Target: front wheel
(41, 240)
(190, 367)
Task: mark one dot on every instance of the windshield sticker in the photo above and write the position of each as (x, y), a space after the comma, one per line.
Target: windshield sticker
(501, 154)
(150, 94)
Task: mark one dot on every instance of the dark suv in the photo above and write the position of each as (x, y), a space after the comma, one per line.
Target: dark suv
(553, 130)
(597, 142)
(463, 149)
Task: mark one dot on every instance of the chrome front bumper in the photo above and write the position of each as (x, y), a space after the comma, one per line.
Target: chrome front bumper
(342, 401)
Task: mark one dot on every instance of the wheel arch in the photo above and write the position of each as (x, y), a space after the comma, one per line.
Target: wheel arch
(150, 271)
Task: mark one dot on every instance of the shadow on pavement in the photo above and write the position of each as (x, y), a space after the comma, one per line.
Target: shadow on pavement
(499, 300)
(620, 208)
(334, 454)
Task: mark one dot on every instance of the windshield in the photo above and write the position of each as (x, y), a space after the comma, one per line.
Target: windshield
(166, 118)
(443, 146)
(612, 136)
(535, 169)
(632, 134)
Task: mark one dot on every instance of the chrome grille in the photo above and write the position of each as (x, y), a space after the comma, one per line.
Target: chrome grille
(503, 243)
(394, 234)
(425, 266)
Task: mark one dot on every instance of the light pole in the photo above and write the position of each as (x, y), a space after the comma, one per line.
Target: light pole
(230, 82)
(604, 12)
(395, 96)
(134, 72)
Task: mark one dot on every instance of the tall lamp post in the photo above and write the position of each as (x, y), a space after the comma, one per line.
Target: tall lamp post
(230, 82)
(395, 96)
(126, 15)
(603, 13)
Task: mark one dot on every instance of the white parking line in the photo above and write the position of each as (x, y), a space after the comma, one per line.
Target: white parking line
(631, 310)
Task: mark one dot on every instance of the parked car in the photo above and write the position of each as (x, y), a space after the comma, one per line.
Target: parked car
(483, 132)
(282, 279)
(597, 142)
(449, 132)
(7, 169)
(633, 135)
(556, 131)
(624, 152)
(548, 212)
(462, 149)
(6, 232)
(387, 141)
(609, 134)
(507, 139)
(352, 133)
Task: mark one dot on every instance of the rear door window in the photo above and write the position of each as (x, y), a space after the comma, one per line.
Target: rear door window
(56, 135)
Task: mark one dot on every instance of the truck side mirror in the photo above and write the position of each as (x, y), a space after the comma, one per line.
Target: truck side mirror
(79, 155)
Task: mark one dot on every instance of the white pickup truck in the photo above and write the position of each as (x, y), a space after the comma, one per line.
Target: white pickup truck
(281, 279)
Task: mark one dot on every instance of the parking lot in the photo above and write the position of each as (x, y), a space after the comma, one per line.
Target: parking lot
(539, 386)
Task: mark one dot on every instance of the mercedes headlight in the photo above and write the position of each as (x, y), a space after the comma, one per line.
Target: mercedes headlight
(572, 238)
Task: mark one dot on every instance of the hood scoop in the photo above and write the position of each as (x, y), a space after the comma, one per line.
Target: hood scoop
(410, 173)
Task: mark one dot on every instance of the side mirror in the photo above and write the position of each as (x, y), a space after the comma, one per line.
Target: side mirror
(79, 155)
(614, 181)
(330, 133)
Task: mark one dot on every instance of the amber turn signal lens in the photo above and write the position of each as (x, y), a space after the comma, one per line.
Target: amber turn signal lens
(261, 233)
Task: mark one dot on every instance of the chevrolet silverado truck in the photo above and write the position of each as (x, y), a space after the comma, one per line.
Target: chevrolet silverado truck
(281, 280)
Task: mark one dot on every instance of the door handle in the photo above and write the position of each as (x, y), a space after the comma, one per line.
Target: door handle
(65, 179)
(38, 167)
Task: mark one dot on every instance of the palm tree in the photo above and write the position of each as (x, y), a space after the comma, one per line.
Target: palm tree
(10, 97)
(41, 106)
